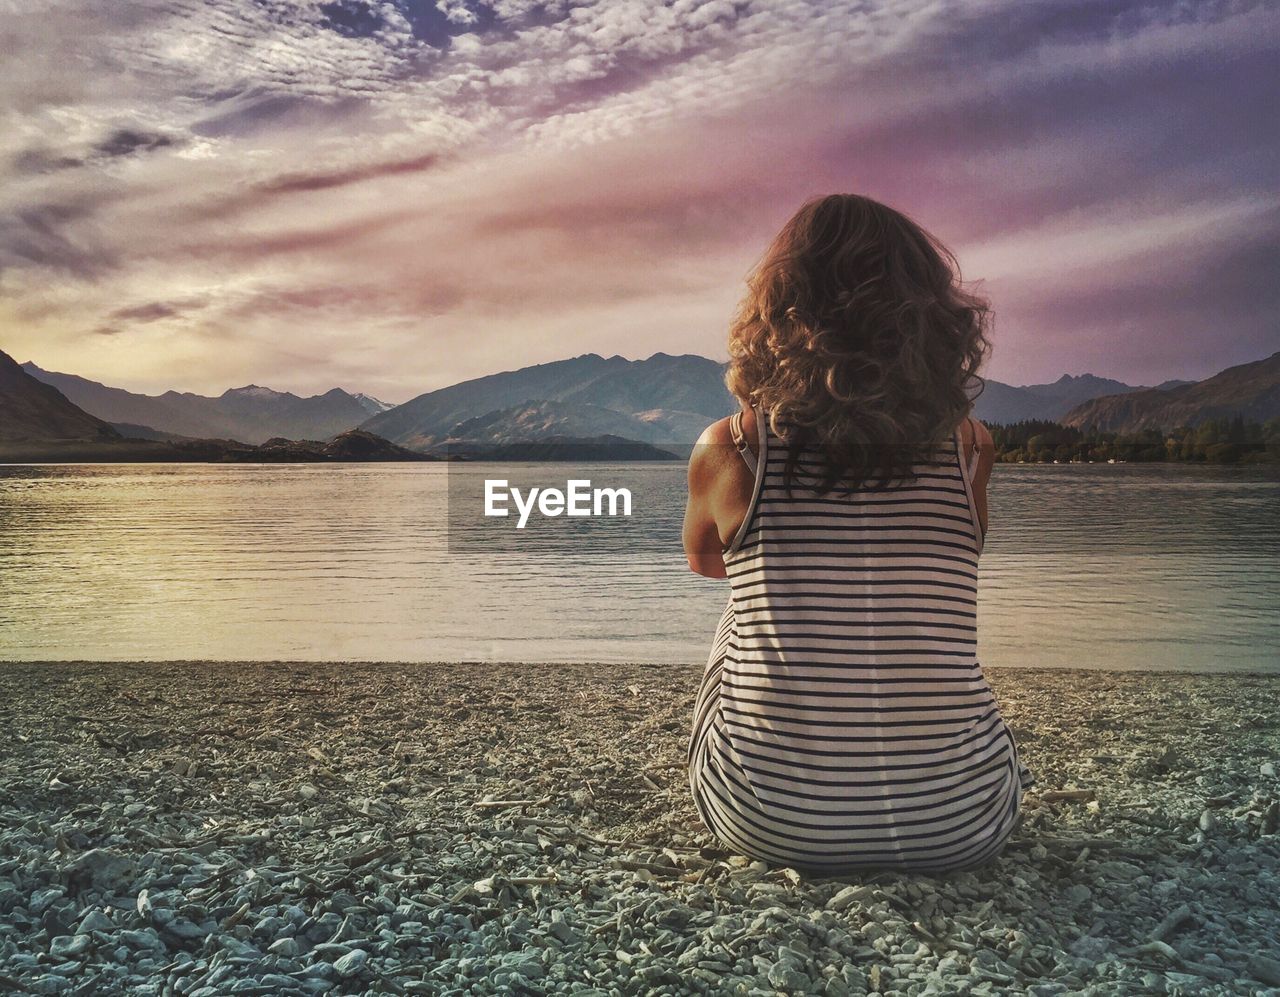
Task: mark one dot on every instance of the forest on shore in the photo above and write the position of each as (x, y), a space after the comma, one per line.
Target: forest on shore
(1215, 441)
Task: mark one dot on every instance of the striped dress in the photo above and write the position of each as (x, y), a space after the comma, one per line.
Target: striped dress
(843, 720)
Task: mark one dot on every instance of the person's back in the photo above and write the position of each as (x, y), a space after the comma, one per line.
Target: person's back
(844, 720)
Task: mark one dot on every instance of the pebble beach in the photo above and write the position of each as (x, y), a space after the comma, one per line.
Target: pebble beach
(206, 828)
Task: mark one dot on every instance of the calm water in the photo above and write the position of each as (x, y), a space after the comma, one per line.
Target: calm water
(1108, 566)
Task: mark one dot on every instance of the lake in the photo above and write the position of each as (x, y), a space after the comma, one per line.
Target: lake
(1124, 566)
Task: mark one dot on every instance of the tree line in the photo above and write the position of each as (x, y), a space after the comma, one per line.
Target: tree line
(1215, 441)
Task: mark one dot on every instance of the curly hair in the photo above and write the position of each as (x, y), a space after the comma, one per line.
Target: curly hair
(859, 339)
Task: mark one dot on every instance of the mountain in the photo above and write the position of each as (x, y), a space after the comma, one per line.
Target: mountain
(605, 447)
(663, 399)
(252, 414)
(352, 445)
(31, 411)
(1003, 403)
(281, 413)
(370, 404)
(543, 420)
(1251, 390)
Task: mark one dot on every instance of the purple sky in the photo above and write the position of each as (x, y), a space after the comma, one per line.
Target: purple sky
(393, 195)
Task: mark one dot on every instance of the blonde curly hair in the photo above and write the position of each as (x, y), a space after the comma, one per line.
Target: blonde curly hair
(859, 340)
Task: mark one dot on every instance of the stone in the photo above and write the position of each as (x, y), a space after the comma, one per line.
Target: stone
(847, 897)
(69, 946)
(786, 977)
(1266, 968)
(102, 869)
(95, 920)
(351, 964)
(287, 947)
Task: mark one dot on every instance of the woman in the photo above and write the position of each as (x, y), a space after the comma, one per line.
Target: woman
(844, 720)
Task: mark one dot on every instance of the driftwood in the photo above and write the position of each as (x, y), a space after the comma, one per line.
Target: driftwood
(509, 804)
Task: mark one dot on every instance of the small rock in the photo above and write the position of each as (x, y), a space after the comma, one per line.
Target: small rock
(561, 928)
(1266, 969)
(42, 899)
(95, 920)
(287, 947)
(351, 964)
(347, 931)
(786, 977)
(69, 946)
(181, 927)
(102, 869)
(1090, 948)
(847, 897)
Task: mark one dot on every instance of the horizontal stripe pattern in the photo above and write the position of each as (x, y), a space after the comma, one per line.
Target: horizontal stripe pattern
(843, 721)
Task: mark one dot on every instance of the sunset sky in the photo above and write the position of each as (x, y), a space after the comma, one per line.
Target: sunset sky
(393, 195)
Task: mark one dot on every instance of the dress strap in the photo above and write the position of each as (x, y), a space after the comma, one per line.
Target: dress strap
(976, 452)
(740, 441)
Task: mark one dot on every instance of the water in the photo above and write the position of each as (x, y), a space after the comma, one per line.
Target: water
(1108, 566)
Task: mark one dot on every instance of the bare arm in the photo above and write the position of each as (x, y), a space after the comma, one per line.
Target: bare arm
(720, 488)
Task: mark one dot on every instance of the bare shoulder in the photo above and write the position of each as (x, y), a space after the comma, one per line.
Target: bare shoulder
(717, 434)
(715, 460)
(707, 462)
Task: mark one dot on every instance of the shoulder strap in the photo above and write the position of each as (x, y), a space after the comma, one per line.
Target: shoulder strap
(976, 450)
(740, 441)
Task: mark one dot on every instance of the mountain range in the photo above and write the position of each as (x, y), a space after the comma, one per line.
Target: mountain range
(251, 414)
(1251, 390)
(1004, 403)
(663, 400)
(39, 423)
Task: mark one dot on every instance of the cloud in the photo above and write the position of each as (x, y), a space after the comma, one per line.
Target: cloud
(297, 182)
(393, 195)
(55, 237)
(127, 141)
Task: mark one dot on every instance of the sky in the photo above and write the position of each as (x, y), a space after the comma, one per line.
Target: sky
(394, 195)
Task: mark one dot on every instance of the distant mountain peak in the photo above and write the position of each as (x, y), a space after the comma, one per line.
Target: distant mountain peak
(370, 404)
(1086, 379)
(252, 391)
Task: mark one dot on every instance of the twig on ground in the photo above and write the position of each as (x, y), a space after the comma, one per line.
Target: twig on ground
(509, 804)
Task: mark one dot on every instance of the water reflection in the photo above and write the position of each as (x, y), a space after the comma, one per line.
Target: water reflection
(1121, 566)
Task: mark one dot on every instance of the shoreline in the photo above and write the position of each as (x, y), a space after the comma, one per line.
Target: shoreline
(487, 827)
(991, 670)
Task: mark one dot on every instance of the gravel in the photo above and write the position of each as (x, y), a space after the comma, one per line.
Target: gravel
(204, 829)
